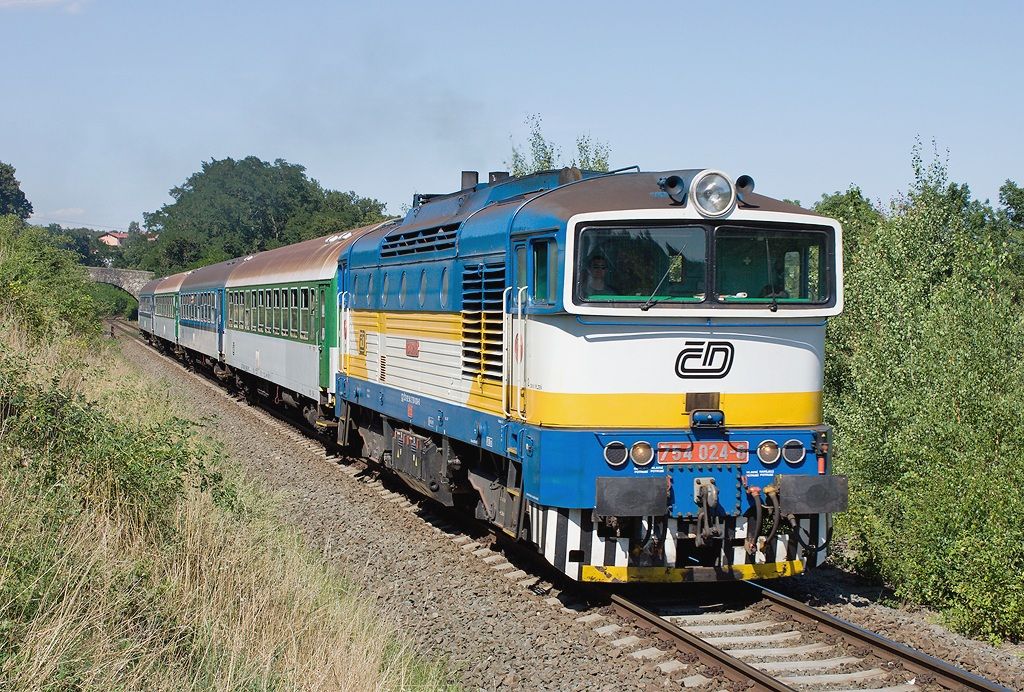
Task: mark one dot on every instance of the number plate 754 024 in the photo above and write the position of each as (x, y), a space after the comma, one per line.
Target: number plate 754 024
(703, 452)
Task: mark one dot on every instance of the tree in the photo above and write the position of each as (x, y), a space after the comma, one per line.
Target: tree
(231, 208)
(12, 199)
(134, 227)
(545, 155)
(923, 388)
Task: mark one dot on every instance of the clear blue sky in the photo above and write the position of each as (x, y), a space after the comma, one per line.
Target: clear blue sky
(107, 105)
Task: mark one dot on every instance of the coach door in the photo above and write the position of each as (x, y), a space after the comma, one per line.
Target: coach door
(514, 336)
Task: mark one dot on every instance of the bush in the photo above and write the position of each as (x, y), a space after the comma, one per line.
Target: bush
(127, 559)
(923, 388)
(41, 284)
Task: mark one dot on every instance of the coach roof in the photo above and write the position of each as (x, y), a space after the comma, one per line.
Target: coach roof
(209, 277)
(310, 260)
(170, 284)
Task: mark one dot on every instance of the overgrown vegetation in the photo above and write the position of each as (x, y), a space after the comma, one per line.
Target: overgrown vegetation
(111, 301)
(131, 557)
(542, 154)
(923, 385)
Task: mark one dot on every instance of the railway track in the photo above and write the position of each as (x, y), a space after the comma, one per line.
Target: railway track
(768, 641)
(757, 639)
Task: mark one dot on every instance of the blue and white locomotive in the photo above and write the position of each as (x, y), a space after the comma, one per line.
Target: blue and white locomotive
(623, 370)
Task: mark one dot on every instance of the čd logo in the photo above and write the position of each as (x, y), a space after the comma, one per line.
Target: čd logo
(705, 359)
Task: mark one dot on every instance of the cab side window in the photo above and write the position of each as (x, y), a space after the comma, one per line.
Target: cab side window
(544, 278)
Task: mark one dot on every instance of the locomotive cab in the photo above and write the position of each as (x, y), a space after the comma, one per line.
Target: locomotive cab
(675, 388)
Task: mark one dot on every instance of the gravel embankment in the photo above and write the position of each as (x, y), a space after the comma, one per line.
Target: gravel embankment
(845, 596)
(494, 633)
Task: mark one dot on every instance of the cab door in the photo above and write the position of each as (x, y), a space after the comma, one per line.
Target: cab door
(514, 331)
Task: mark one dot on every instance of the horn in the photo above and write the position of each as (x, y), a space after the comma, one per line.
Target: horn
(744, 184)
(675, 187)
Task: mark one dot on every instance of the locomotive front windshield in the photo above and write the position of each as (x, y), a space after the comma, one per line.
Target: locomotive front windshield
(672, 265)
(638, 264)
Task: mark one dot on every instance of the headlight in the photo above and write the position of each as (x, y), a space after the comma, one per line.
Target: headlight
(713, 194)
(641, 453)
(615, 454)
(768, 451)
(793, 451)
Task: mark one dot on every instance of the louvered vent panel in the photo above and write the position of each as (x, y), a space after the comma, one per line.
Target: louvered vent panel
(423, 240)
(482, 286)
(382, 376)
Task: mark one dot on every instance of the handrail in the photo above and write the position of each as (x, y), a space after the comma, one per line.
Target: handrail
(506, 365)
(521, 378)
(343, 330)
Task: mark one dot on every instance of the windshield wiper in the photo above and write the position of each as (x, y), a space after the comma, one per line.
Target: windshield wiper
(650, 302)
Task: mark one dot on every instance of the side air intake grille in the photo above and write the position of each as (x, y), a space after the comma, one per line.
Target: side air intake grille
(422, 240)
(482, 287)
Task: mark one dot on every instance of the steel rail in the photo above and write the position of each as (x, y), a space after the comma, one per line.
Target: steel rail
(709, 655)
(945, 674)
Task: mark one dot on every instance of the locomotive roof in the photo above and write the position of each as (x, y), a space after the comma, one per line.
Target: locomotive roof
(481, 216)
(626, 191)
(309, 260)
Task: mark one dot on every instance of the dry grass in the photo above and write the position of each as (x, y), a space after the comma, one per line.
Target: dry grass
(218, 596)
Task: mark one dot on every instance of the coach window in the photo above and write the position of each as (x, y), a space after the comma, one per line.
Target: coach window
(314, 326)
(369, 290)
(444, 286)
(423, 286)
(278, 313)
(304, 319)
(261, 312)
(384, 290)
(284, 316)
(279, 298)
(401, 291)
(272, 310)
(295, 312)
(544, 254)
(285, 312)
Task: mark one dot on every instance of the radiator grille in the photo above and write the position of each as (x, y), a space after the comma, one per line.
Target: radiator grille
(482, 287)
(423, 240)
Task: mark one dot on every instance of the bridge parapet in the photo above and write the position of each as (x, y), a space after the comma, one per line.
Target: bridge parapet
(130, 280)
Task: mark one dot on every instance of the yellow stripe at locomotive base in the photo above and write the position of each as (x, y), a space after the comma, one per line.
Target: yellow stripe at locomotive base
(622, 575)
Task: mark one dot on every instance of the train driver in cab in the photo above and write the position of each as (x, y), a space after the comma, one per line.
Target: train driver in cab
(596, 281)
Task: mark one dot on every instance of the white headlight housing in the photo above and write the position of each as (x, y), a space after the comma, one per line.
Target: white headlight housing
(713, 193)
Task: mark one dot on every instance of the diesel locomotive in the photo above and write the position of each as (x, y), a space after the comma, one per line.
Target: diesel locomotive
(623, 370)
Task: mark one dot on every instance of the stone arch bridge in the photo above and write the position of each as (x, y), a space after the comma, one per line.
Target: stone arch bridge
(130, 280)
